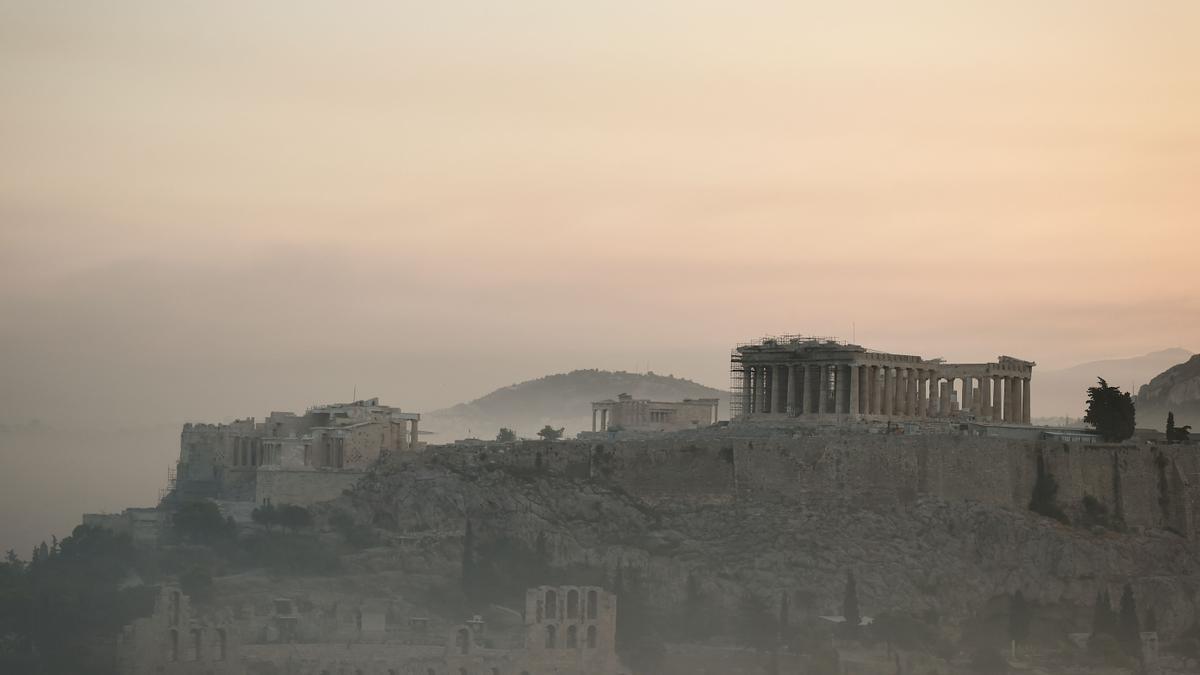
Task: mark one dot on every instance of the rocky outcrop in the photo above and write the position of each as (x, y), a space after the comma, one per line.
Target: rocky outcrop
(1175, 390)
(925, 554)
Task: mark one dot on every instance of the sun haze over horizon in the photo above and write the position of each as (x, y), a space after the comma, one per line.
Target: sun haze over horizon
(223, 209)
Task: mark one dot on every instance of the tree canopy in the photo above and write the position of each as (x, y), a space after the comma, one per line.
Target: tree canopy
(506, 435)
(549, 433)
(1111, 411)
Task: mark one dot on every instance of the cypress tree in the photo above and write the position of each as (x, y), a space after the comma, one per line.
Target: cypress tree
(468, 564)
(1018, 618)
(850, 602)
(1170, 427)
(1129, 629)
(1103, 622)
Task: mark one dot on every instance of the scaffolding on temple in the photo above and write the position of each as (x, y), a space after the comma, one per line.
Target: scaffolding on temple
(737, 387)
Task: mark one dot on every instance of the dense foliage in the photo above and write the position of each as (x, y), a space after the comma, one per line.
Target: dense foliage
(1111, 412)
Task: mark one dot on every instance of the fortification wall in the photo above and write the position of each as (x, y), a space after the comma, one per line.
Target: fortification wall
(301, 486)
(1150, 487)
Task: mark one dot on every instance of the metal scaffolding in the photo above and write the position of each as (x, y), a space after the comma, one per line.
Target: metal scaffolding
(737, 387)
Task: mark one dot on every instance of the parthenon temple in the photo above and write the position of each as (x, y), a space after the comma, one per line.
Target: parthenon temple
(804, 377)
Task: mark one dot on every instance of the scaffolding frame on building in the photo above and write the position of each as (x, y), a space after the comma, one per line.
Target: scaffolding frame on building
(737, 371)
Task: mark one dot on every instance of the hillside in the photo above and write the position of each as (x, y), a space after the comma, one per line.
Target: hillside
(1175, 390)
(621, 521)
(562, 400)
(1063, 392)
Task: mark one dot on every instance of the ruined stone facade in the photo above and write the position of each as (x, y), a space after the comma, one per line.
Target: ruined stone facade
(566, 630)
(792, 376)
(297, 459)
(643, 415)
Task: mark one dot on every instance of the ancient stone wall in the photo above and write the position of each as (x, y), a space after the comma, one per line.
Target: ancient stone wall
(1146, 486)
(301, 486)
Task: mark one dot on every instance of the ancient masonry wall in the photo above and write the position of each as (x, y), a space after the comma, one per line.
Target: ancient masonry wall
(1148, 486)
(302, 486)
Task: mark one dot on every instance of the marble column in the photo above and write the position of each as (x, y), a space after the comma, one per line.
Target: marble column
(854, 373)
(760, 389)
(997, 412)
(967, 400)
(872, 390)
(906, 409)
(1026, 418)
(889, 391)
(901, 392)
(944, 408)
(822, 388)
(1018, 400)
(747, 389)
(839, 389)
(791, 389)
(810, 388)
(776, 388)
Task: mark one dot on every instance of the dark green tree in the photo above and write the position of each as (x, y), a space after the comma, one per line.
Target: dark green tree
(850, 609)
(1045, 493)
(1019, 616)
(506, 435)
(265, 515)
(1176, 434)
(469, 575)
(1111, 412)
(549, 433)
(1129, 630)
(201, 523)
(1104, 622)
(756, 626)
(294, 518)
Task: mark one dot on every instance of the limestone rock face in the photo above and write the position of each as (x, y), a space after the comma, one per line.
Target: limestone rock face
(1175, 390)
(930, 556)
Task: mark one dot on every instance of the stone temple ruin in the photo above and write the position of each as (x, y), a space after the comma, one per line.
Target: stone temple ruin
(570, 630)
(290, 458)
(809, 378)
(632, 414)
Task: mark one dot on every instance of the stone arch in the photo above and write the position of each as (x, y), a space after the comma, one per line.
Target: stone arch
(551, 604)
(591, 637)
(572, 636)
(592, 602)
(573, 604)
(551, 636)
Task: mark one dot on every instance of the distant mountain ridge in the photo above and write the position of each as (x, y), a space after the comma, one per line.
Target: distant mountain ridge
(561, 400)
(1064, 392)
(1175, 390)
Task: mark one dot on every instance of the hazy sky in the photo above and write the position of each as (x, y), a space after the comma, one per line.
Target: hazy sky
(215, 209)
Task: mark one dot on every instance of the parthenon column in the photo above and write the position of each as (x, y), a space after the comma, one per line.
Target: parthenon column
(760, 388)
(997, 399)
(839, 389)
(985, 397)
(944, 397)
(967, 400)
(1008, 399)
(910, 388)
(810, 386)
(1025, 416)
(776, 388)
(901, 392)
(872, 390)
(791, 389)
(1018, 400)
(889, 390)
(854, 372)
(822, 388)
(747, 389)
